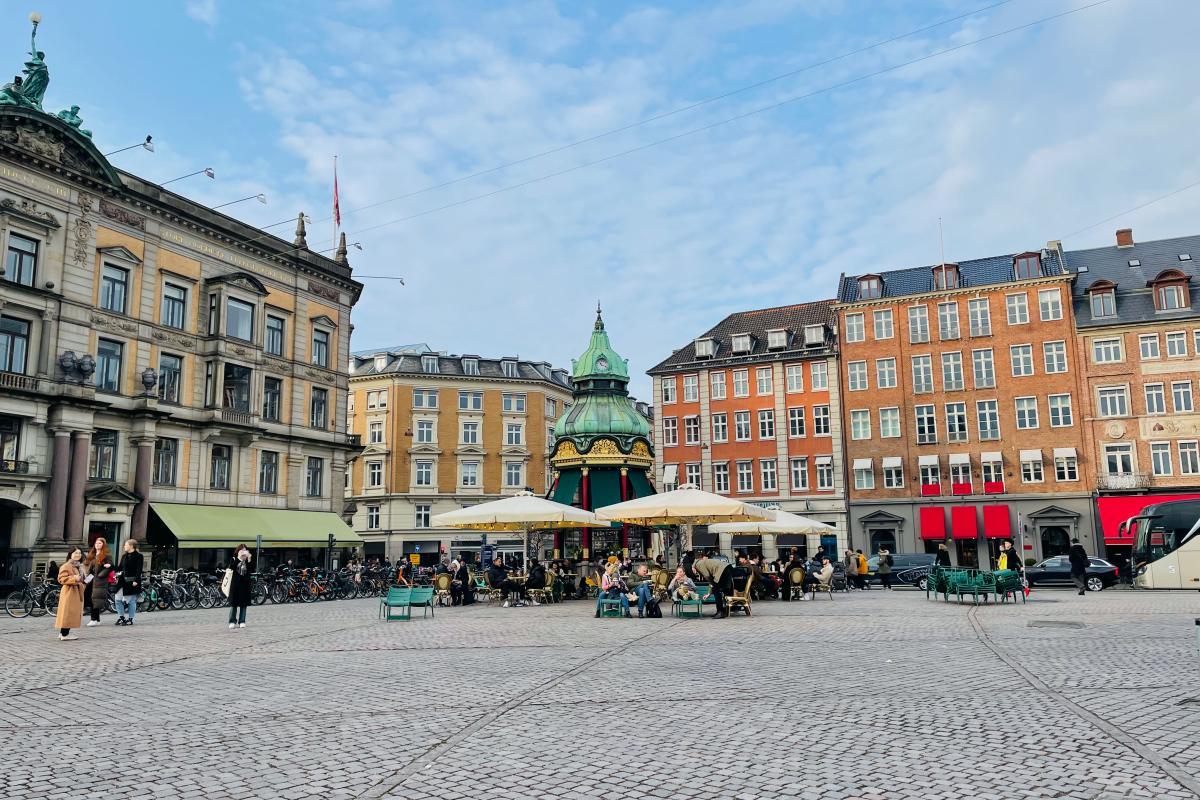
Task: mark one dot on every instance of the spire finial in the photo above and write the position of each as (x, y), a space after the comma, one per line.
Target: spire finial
(340, 255)
(599, 319)
(300, 240)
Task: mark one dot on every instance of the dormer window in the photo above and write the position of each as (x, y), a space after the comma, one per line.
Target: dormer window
(870, 287)
(814, 335)
(705, 348)
(777, 339)
(509, 368)
(429, 365)
(945, 276)
(741, 343)
(470, 366)
(1170, 290)
(1104, 299)
(1027, 265)
(380, 363)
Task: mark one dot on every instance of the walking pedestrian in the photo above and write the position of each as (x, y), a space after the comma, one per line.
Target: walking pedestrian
(884, 570)
(862, 581)
(943, 556)
(98, 566)
(720, 577)
(1079, 564)
(70, 596)
(129, 573)
(850, 562)
(239, 587)
(1009, 558)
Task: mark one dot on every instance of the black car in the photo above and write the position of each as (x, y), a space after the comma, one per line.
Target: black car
(1056, 571)
(908, 569)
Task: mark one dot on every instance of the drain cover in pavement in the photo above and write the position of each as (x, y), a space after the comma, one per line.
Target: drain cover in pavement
(1055, 623)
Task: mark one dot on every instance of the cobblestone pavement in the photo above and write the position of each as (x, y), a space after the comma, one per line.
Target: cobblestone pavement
(871, 695)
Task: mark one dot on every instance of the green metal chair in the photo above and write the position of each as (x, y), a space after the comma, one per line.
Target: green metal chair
(396, 599)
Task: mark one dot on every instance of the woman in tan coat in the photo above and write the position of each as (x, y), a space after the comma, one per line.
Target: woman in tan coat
(70, 597)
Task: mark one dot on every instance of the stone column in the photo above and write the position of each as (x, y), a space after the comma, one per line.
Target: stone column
(56, 502)
(81, 442)
(141, 485)
(585, 503)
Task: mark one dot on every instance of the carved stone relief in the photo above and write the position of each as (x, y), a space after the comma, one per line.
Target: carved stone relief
(83, 230)
(327, 292)
(113, 324)
(121, 215)
(28, 210)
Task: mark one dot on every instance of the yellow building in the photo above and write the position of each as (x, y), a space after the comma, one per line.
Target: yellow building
(442, 432)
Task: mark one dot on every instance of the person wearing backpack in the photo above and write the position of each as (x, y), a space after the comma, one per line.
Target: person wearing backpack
(861, 575)
(884, 570)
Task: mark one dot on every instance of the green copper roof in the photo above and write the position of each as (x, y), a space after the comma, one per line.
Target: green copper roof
(600, 360)
(599, 414)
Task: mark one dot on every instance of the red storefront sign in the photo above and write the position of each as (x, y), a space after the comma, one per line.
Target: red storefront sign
(1116, 510)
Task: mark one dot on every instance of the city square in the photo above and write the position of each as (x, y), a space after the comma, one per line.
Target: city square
(871, 695)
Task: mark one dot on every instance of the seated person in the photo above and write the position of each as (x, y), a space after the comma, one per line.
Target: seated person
(765, 584)
(820, 576)
(537, 577)
(642, 585)
(461, 591)
(681, 587)
(612, 587)
(497, 576)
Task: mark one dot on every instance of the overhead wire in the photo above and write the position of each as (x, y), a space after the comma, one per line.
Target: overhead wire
(1139, 207)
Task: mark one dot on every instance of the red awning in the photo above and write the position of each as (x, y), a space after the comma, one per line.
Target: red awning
(962, 523)
(933, 523)
(1115, 510)
(997, 524)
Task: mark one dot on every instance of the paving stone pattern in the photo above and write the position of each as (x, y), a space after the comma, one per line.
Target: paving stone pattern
(872, 695)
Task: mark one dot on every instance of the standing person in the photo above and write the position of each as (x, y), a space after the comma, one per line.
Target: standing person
(850, 562)
(129, 572)
(720, 577)
(943, 556)
(70, 597)
(239, 587)
(862, 581)
(97, 566)
(1008, 558)
(884, 570)
(1079, 565)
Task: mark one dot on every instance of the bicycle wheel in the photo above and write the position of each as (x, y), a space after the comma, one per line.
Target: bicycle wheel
(19, 604)
(177, 598)
(309, 592)
(49, 604)
(193, 599)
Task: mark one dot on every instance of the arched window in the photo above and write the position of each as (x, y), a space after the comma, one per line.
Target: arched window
(1170, 290)
(1027, 265)
(1103, 295)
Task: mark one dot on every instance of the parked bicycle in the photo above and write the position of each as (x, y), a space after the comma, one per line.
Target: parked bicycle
(32, 600)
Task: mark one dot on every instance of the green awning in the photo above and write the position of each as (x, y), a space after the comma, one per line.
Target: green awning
(639, 484)
(568, 485)
(228, 526)
(604, 487)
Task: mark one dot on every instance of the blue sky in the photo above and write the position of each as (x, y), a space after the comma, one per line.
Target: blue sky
(1012, 142)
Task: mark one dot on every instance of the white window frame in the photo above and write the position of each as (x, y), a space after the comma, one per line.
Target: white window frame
(1016, 307)
(885, 373)
(1050, 304)
(1054, 357)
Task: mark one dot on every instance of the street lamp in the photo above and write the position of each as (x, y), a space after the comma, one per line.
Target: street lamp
(355, 245)
(146, 145)
(207, 172)
(260, 197)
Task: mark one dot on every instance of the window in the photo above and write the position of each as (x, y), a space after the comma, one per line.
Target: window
(948, 321)
(741, 426)
(824, 477)
(870, 287)
(513, 478)
(103, 463)
(993, 472)
(514, 434)
(1021, 356)
(1148, 346)
(513, 403)
(1050, 304)
(741, 383)
(236, 389)
(857, 376)
(1189, 458)
(864, 479)
(470, 401)
(717, 382)
(1054, 355)
(1104, 304)
(469, 474)
(983, 369)
(1061, 415)
(740, 343)
(670, 431)
(1170, 298)
(470, 366)
(918, 324)
(668, 390)
(705, 348)
(509, 369)
(318, 416)
(268, 472)
(926, 424)
(379, 398)
(272, 398)
(470, 432)
(170, 373)
(174, 306)
(931, 475)
(796, 422)
(922, 368)
(885, 373)
(425, 431)
(428, 398)
(889, 423)
(691, 474)
(1155, 400)
(114, 288)
(721, 478)
(1018, 309)
(1160, 458)
(767, 475)
(166, 456)
(1181, 396)
(320, 348)
(430, 365)
(960, 473)
(794, 374)
(1031, 472)
(1118, 458)
(14, 345)
(766, 423)
(374, 474)
(745, 476)
(762, 381)
(1066, 468)
(372, 518)
(1108, 351)
(860, 424)
(1028, 265)
(273, 340)
(814, 335)
(980, 316)
(987, 415)
(210, 384)
(691, 430)
(884, 329)
(945, 277)
(691, 388)
(375, 433)
(893, 477)
(1177, 345)
(799, 474)
(108, 365)
(214, 313)
(21, 263)
(1114, 401)
(818, 375)
(820, 420)
(1027, 413)
(424, 473)
(218, 474)
(956, 422)
(776, 340)
(239, 319)
(421, 515)
(855, 328)
(720, 424)
(952, 371)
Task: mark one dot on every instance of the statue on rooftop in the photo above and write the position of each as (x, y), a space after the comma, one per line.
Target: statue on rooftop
(37, 75)
(11, 94)
(72, 118)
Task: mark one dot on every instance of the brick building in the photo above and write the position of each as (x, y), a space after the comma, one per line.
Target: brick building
(751, 409)
(961, 407)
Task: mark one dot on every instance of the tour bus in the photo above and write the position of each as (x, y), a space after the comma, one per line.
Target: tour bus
(1166, 545)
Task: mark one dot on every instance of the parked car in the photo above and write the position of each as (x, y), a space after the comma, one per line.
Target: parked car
(1056, 571)
(908, 569)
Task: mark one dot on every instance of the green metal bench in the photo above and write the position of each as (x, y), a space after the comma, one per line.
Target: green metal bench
(680, 607)
(1008, 583)
(421, 597)
(397, 599)
(610, 606)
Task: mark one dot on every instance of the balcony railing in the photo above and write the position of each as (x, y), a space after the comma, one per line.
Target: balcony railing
(993, 487)
(10, 465)
(931, 489)
(1126, 480)
(235, 416)
(15, 380)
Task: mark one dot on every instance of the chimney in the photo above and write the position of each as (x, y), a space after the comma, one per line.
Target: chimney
(1125, 237)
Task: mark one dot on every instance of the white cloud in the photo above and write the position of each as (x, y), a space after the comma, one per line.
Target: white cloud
(202, 11)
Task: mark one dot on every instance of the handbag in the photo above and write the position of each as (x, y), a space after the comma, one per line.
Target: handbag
(227, 581)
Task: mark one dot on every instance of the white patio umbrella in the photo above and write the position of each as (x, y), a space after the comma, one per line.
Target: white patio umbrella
(784, 522)
(522, 512)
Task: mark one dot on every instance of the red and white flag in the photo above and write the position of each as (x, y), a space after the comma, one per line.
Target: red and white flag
(337, 209)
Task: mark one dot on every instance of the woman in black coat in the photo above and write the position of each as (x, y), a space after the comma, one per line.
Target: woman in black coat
(239, 586)
(129, 572)
(943, 556)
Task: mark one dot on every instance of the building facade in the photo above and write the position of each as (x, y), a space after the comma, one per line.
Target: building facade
(1138, 325)
(157, 357)
(752, 409)
(962, 408)
(442, 432)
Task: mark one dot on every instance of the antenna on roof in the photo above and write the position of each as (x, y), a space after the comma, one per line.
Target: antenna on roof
(941, 242)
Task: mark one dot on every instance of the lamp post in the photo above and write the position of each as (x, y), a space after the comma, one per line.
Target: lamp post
(147, 145)
(260, 197)
(207, 172)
